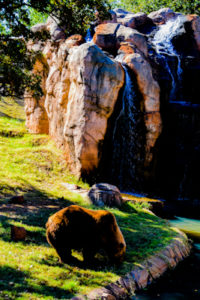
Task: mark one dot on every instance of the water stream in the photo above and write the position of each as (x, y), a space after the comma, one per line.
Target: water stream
(126, 138)
(165, 50)
(88, 37)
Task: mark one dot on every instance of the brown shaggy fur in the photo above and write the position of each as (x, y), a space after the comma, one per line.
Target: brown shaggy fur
(87, 230)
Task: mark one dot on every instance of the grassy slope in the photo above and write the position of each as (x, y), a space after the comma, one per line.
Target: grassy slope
(31, 164)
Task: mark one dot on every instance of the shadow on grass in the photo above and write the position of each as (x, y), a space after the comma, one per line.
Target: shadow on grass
(13, 283)
(9, 117)
(6, 102)
(34, 212)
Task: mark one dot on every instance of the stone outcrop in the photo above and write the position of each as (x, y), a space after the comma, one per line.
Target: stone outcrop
(80, 92)
(136, 21)
(36, 115)
(18, 233)
(104, 194)
(84, 83)
(162, 15)
(95, 80)
(110, 36)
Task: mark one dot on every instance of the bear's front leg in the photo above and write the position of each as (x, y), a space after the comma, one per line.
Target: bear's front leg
(64, 255)
(88, 256)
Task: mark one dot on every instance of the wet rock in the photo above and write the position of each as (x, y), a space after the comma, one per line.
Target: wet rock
(117, 291)
(110, 36)
(128, 283)
(156, 266)
(141, 277)
(162, 15)
(104, 194)
(150, 91)
(18, 233)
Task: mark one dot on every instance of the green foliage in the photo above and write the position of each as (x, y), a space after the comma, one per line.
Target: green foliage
(147, 6)
(37, 17)
(16, 18)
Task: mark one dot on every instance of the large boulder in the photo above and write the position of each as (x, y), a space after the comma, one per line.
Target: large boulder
(56, 32)
(80, 92)
(136, 21)
(95, 83)
(162, 15)
(110, 36)
(39, 27)
(104, 194)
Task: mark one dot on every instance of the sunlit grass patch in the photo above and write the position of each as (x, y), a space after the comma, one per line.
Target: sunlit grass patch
(31, 165)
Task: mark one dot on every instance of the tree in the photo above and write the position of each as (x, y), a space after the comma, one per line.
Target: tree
(17, 16)
(147, 6)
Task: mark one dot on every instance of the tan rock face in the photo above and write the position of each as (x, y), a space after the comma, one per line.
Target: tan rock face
(81, 86)
(80, 92)
(95, 83)
(36, 115)
(110, 36)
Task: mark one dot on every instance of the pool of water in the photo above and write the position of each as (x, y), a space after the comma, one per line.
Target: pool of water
(184, 281)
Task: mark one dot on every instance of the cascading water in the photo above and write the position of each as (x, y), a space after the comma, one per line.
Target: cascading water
(88, 37)
(162, 42)
(126, 140)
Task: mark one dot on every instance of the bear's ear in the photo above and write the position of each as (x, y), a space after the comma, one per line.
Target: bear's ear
(107, 220)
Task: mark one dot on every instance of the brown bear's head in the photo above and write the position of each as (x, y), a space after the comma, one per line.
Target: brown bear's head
(112, 237)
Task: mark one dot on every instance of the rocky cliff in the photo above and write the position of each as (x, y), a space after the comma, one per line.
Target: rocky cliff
(86, 91)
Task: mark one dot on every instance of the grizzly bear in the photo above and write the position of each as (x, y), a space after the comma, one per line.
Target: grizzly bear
(86, 230)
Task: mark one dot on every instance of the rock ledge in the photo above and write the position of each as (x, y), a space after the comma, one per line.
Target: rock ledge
(145, 273)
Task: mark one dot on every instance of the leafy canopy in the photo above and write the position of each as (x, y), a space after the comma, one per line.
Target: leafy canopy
(147, 6)
(16, 18)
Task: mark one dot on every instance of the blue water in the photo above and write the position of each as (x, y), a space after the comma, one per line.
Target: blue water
(88, 37)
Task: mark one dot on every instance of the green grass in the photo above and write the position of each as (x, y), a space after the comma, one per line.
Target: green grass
(31, 165)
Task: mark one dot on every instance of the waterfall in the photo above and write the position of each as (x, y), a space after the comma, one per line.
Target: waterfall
(162, 42)
(126, 139)
(88, 37)
(128, 101)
